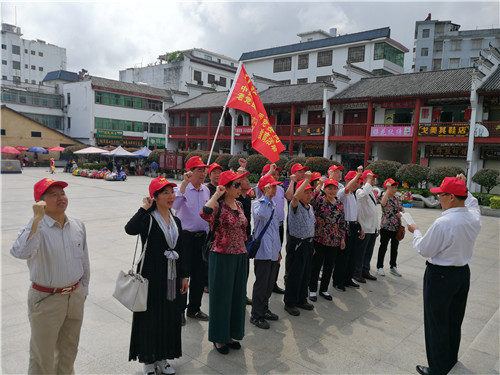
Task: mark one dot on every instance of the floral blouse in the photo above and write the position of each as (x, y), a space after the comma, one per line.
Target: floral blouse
(330, 224)
(389, 219)
(230, 234)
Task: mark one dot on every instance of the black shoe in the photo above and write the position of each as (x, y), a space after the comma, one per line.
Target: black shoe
(200, 315)
(183, 319)
(313, 298)
(270, 316)
(259, 322)
(352, 284)
(234, 345)
(360, 279)
(292, 310)
(423, 370)
(278, 290)
(369, 276)
(340, 288)
(326, 296)
(222, 350)
(306, 306)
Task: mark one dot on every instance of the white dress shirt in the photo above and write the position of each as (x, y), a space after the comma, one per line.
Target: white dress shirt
(450, 239)
(367, 209)
(57, 256)
(350, 205)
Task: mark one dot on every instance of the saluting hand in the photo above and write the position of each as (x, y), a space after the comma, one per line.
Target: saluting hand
(187, 176)
(243, 163)
(220, 191)
(462, 177)
(360, 169)
(39, 210)
(147, 202)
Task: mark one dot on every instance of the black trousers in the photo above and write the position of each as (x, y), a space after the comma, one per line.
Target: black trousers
(364, 252)
(196, 270)
(445, 299)
(265, 276)
(300, 255)
(344, 264)
(385, 237)
(324, 256)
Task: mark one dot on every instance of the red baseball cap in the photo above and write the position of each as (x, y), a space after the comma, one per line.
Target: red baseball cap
(315, 176)
(308, 187)
(158, 183)
(228, 176)
(267, 167)
(365, 174)
(299, 167)
(213, 166)
(42, 186)
(330, 181)
(451, 185)
(390, 181)
(266, 180)
(335, 167)
(350, 175)
(195, 162)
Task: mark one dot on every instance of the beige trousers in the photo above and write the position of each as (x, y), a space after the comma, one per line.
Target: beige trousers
(55, 330)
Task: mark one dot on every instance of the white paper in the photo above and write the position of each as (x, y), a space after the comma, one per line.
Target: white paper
(409, 220)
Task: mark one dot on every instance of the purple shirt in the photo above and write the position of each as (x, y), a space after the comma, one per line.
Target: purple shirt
(187, 207)
(279, 199)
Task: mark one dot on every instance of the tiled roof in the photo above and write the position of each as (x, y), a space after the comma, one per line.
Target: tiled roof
(62, 75)
(384, 32)
(130, 87)
(411, 84)
(203, 101)
(492, 83)
(302, 93)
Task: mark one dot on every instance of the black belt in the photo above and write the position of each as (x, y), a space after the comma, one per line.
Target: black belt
(445, 267)
(309, 239)
(195, 234)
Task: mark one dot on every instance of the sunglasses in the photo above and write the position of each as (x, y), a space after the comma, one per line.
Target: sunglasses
(442, 195)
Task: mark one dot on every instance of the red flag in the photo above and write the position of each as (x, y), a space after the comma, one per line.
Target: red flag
(243, 96)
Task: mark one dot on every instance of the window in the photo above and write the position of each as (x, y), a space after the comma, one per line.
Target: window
(25, 81)
(16, 79)
(33, 82)
(218, 60)
(4, 78)
(356, 54)
(222, 81)
(4, 62)
(69, 122)
(40, 54)
(425, 33)
(325, 58)
(422, 69)
(33, 53)
(211, 78)
(285, 82)
(436, 64)
(16, 50)
(207, 57)
(4, 46)
(33, 67)
(16, 65)
(68, 98)
(302, 80)
(283, 64)
(324, 78)
(197, 76)
(304, 61)
(26, 66)
(456, 45)
(424, 52)
(25, 50)
(438, 46)
(389, 53)
(477, 43)
(439, 29)
(36, 134)
(454, 63)
(2, 132)
(40, 68)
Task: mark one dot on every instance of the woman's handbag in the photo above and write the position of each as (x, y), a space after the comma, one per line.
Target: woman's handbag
(253, 244)
(131, 288)
(400, 233)
(209, 239)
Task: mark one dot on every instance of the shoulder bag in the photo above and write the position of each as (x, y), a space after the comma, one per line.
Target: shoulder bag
(400, 233)
(131, 288)
(209, 239)
(253, 244)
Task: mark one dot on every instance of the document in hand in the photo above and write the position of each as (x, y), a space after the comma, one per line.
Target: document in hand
(409, 220)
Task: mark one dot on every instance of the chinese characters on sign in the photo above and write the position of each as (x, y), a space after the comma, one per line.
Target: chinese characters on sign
(109, 134)
(391, 131)
(400, 104)
(157, 141)
(441, 151)
(243, 130)
(309, 130)
(441, 130)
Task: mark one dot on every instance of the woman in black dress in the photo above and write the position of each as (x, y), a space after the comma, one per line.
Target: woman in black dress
(156, 332)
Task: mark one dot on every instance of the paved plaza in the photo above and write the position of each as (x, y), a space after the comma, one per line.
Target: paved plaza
(377, 329)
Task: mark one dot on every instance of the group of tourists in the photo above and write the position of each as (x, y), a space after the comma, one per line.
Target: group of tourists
(331, 229)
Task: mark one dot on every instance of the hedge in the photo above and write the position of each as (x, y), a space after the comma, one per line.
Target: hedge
(412, 174)
(223, 161)
(487, 178)
(320, 164)
(256, 162)
(495, 202)
(213, 158)
(234, 161)
(384, 169)
(292, 161)
(437, 174)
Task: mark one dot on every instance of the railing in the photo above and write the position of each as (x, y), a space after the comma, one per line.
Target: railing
(348, 130)
(198, 131)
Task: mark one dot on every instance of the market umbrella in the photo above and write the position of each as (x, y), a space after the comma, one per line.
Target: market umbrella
(143, 152)
(38, 150)
(120, 152)
(22, 148)
(58, 148)
(90, 150)
(10, 150)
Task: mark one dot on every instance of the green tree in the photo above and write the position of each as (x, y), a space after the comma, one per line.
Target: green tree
(437, 174)
(384, 169)
(292, 161)
(412, 174)
(319, 164)
(256, 162)
(487, 178)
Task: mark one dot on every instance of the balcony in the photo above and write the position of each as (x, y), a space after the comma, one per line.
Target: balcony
(198, 131)
(348, 130)
(493, 128)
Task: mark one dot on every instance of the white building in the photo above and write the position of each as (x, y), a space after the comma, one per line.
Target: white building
(440, 45)
(28, 61)
(186, 74)
(322, 56)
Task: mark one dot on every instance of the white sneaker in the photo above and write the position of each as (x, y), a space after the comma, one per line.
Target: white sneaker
(395, 272)
(165, 368)
(149, 369)
(380, 272)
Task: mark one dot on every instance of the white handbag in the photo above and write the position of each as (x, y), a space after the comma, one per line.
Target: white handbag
(131, 288)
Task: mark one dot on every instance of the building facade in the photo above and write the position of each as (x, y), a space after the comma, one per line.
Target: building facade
(28, 61)
(441, 45)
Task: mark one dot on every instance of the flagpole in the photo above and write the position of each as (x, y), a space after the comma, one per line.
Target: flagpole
(216, 133)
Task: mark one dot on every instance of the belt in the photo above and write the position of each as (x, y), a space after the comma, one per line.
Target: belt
(352, 222)
(309, 239)
(446, 267)
(195, 234)
(67, 290)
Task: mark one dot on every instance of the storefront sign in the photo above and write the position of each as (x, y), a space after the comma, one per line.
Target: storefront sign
(311, 146)
(243, 130)
(391, 131)
(490, 153)
(109, 134)
(133, 141)
(441, 130)
(439, 151)
(345, 149)
(157, 141)
(398, 104)
(309, 130)
(363, 105)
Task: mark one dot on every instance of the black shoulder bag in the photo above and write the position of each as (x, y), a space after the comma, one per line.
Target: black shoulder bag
(253, 244)
(209, 239)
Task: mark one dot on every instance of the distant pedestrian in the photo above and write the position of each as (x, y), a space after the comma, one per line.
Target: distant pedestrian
(214, 171)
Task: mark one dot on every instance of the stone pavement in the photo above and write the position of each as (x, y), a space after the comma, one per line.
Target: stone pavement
(377, 329)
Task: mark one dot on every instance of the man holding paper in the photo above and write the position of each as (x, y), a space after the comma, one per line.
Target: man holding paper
(448, 246)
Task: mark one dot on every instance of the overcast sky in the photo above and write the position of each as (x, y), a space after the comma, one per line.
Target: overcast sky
(107, 36)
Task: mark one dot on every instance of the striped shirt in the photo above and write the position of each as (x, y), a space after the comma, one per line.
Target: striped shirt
(301, 221)
(57, 256)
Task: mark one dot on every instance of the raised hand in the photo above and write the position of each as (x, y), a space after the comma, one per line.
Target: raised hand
(39, 210)
(147, 202)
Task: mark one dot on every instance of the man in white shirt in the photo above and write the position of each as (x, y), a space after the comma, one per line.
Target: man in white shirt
(448, 246)
(55, 247)
(335, 172)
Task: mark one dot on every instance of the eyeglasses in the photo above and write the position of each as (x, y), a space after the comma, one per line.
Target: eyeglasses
(237, 185)
(442, 195)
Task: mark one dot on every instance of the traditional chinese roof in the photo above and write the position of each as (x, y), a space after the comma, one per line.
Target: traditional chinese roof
(301, 93)
(132, 88)
(203, 101)
(440, 82)
(492, 83)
